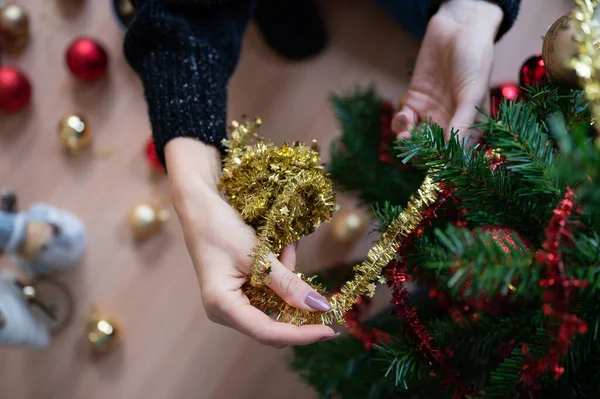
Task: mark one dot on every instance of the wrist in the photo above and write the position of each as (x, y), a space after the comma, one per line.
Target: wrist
(193, 165)
(479, 15)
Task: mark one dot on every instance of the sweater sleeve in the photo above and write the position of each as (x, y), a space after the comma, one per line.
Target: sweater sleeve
(510, 9)
(185, 52)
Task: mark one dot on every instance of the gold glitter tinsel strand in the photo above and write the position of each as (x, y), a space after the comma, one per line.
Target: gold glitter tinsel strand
(587, 62)
(282, 192)
(365, 273)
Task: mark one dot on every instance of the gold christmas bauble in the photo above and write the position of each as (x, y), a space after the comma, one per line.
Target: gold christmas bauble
(125, 8)
(558, 50)
(75, 133)
(348, 226)
(103, 334)
(14, 22)
(147, 219)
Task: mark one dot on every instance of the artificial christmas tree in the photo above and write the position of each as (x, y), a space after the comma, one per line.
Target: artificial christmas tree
(508, 252)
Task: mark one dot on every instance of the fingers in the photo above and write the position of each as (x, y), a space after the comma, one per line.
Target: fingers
(293, 290)
(255, 324)
(288, 256)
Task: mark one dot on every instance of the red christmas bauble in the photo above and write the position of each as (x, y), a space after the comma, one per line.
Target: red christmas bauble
(15, 89)
(87, 59)
(507, 91)
(533, 72)
(151, 156)
(481, 301)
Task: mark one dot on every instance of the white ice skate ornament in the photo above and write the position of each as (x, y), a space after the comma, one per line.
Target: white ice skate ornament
(18, 326)
(66, 247)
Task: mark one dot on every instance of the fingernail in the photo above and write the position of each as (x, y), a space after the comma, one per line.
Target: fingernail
(401, 122)
(316, 301)
(337, 334)
(403, 119)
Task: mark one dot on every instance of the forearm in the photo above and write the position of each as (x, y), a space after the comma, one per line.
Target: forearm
(185, 52)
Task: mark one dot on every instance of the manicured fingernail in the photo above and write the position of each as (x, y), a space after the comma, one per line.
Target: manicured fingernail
(337, 334)
(403, 119)
(316, 301)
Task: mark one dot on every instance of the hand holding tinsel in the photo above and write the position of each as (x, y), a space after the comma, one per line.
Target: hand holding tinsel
(281, 192)
(284, 194)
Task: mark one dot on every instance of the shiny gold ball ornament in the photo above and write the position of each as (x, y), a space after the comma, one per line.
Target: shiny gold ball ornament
(147, 219)
(348, 226)
(103, 334)
(124, 10)
(75, 133)
(14, 22)
(558, 49)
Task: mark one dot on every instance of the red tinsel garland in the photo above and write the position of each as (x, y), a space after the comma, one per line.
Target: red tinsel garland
(368, 336)
(559, 291)
(397, 275)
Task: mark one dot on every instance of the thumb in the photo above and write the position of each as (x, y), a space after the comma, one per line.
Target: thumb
(463, 119)
(404, 122)
(293, 290)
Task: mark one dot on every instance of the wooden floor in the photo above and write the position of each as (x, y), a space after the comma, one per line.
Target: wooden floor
(170, 350)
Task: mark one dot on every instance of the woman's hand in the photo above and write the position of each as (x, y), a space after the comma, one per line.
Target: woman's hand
(451, 76)
(220, 243)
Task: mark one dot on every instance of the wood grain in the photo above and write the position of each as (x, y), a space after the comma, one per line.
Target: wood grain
(170, 349)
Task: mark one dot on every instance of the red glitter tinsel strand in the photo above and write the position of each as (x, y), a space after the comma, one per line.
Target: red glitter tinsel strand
(559, 291)
(397, 275)
(368, 336)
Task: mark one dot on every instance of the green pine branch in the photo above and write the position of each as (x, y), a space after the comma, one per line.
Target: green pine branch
(504, 381)
(355, 164)
(489, 196)
(517, 135)
(480, 258)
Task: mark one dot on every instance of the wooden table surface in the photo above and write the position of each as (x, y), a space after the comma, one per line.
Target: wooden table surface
(169, 348)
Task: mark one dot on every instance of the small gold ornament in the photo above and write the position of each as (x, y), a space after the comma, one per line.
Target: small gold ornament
(147, 219)
(558, 49)
(103, 334)
(75, 133)
(348, 226)
(124, 10)
(14, 22)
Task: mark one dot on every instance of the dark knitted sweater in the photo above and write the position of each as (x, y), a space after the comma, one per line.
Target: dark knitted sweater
(185, 51)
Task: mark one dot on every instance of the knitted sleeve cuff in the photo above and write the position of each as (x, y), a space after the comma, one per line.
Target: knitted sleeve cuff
(510, 8)
(185, 97)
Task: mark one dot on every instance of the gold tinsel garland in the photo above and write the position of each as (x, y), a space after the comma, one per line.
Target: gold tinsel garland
(587, 62)
(284, 194)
